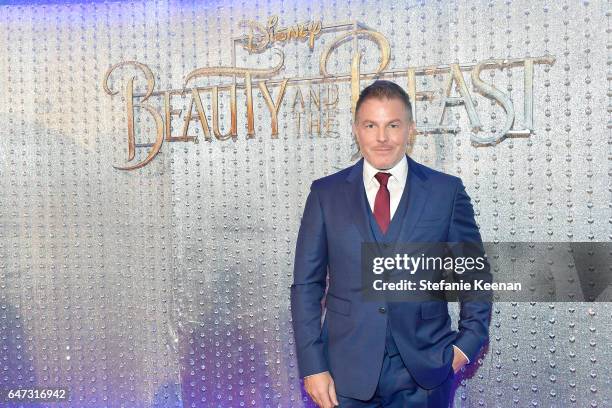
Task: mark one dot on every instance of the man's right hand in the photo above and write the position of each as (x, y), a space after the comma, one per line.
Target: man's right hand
(321, 389)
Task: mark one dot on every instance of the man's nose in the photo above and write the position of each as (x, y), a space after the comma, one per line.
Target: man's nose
(382, 136)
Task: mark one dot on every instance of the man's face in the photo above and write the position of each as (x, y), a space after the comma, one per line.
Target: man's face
(383, 128)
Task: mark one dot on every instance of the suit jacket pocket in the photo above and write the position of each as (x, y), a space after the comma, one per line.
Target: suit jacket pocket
(338, 305)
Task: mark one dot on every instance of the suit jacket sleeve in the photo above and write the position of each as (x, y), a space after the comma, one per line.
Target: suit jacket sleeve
(465, 241)
(308, 288)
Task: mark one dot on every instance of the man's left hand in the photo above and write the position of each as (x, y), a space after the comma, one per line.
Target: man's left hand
(459, 360)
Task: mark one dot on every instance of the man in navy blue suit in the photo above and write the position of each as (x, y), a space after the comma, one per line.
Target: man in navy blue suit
(373, 353)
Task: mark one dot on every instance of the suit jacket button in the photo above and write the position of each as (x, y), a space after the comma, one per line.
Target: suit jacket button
(382, 309)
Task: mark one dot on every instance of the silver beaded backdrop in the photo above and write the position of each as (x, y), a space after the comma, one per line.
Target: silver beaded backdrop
(168, 285)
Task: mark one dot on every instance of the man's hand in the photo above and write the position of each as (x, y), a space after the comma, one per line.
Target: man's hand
(459, 360)
(321, 389)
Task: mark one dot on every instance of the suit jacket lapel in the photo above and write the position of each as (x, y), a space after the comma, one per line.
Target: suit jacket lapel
(355, 202)
(418, 193)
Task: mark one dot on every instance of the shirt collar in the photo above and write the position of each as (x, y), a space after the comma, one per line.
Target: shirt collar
(399, 172)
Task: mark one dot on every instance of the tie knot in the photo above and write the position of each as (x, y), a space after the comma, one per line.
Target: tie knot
(382, 178)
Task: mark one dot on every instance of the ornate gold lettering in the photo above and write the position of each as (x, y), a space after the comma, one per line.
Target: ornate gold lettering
(233, 114)
(261, 36)
(130, 105)
(465, 98)
(200, 116)
(273, 107)
(174, 112)
(385, 51)
(491, 92)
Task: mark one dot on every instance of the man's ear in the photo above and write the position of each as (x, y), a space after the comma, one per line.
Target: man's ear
(411, 137)
(354, 130)
(412, 128)
(357, 153)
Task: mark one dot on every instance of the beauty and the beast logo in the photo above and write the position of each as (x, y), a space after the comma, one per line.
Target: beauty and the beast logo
(317, 116)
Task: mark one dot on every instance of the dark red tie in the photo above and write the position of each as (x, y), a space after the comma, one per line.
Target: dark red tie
(382, 211)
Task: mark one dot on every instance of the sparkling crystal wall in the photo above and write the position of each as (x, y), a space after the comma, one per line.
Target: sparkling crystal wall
(167, 286)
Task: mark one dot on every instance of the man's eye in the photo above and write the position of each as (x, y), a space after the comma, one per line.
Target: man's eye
(394, 125)
(369, 125)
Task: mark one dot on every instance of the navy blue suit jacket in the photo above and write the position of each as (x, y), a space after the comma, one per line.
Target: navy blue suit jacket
(351, 341)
